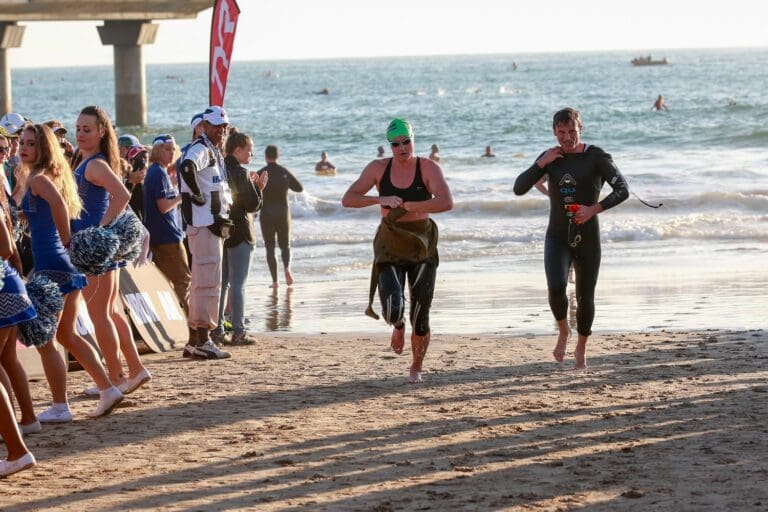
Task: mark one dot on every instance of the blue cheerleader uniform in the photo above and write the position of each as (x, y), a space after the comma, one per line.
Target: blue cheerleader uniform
(51, 258)
(15, 306)
(95, 202)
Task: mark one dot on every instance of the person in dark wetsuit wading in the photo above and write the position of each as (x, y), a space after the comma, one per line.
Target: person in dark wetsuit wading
(275, 217)
(405, 246)
(576, 173)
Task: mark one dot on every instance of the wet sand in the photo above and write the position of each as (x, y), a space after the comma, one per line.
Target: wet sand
(664, 421)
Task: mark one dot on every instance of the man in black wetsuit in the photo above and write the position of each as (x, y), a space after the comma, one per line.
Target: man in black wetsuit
(405, 246)
(576, 173)
(275, 217)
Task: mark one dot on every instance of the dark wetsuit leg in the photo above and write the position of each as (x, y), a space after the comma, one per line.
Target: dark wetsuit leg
(392, 292)
(557, 259)
(283, 227)
(421, 280)
(586, 266)
(421, 286)
(558, 256)
(268, 232)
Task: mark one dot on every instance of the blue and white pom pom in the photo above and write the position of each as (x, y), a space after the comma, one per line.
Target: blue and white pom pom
(128, 228)
(48, 302)
(93, 249)
(2, 272)
(17, 223)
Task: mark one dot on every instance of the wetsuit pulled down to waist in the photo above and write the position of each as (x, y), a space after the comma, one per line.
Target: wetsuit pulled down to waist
(404, 250)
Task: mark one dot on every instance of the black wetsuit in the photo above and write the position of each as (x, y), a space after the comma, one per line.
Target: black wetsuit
(576, 178)
(275, 216)
(421, 275)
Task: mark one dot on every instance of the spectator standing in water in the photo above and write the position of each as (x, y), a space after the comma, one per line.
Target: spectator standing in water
(275, 216)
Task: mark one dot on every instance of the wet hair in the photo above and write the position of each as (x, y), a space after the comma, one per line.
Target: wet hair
(566, 115)
(108, 143)
(235, 139)
(272, 152)
(51, 161)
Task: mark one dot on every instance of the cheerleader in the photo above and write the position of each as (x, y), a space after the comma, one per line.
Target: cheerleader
(50, 200)
(15, 307)
(104, 197)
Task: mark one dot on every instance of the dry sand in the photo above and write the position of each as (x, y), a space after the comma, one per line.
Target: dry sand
(665, 421)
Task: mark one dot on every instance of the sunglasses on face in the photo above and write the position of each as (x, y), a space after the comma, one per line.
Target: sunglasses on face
(403, 142)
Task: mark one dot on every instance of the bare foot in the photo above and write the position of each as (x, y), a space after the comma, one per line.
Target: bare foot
(398, 340)
(414, 377)
(275, 285)
(288, 278)
(580, 355)
(562, 342)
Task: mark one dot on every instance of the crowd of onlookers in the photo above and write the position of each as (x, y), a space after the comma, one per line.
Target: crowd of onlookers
(196, 202)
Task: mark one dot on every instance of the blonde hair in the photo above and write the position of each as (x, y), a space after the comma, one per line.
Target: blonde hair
(154, 153)
(51, 162)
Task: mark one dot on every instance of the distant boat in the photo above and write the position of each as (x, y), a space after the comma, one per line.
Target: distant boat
(648, 61)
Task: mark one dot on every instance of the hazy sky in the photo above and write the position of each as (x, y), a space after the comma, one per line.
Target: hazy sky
(289, 29)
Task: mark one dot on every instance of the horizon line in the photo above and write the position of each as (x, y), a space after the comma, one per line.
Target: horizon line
(643, 51)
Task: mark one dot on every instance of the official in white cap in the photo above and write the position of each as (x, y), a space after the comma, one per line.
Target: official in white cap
(204, 207)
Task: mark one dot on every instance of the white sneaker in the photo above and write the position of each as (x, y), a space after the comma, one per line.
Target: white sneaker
(31, 428)
(209, 350)
(55, 415)
(130, 385)
(189, 351)
(8, 468)
(109, 399)
(92, 392)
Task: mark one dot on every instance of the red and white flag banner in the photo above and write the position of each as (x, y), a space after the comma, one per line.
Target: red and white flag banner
(223, 27)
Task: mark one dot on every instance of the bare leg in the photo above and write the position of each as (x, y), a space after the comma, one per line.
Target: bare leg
(18, 378)
(127, 344)
(9, 430)
(97, 297)
(562, 340)
(580, 354)
(398, 338)
(419, 345)
(55, 372)
(76, 345)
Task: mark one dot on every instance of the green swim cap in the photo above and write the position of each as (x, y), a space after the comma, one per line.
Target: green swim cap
(399, 128)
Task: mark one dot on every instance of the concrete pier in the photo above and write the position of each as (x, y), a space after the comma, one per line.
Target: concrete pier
(127, 37)
(10, 37)
(127, 26)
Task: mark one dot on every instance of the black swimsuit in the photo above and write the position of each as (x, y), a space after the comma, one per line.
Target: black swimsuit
(416, 191)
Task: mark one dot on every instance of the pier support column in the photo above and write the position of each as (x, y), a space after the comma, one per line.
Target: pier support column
(10, 37)
(127, 36)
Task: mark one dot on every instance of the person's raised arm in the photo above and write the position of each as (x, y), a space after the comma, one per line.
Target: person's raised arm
(441, 200)
(531, 176)
(99, 173)
(610, 173)
(44, 188)
(356, 195)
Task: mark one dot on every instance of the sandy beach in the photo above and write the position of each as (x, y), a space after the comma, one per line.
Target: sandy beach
(659, 421)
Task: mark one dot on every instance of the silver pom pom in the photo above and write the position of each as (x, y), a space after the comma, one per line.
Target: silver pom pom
(128, 228)
(93, 249)
(48, 303)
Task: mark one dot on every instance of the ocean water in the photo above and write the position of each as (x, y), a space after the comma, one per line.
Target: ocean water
(697, 262)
